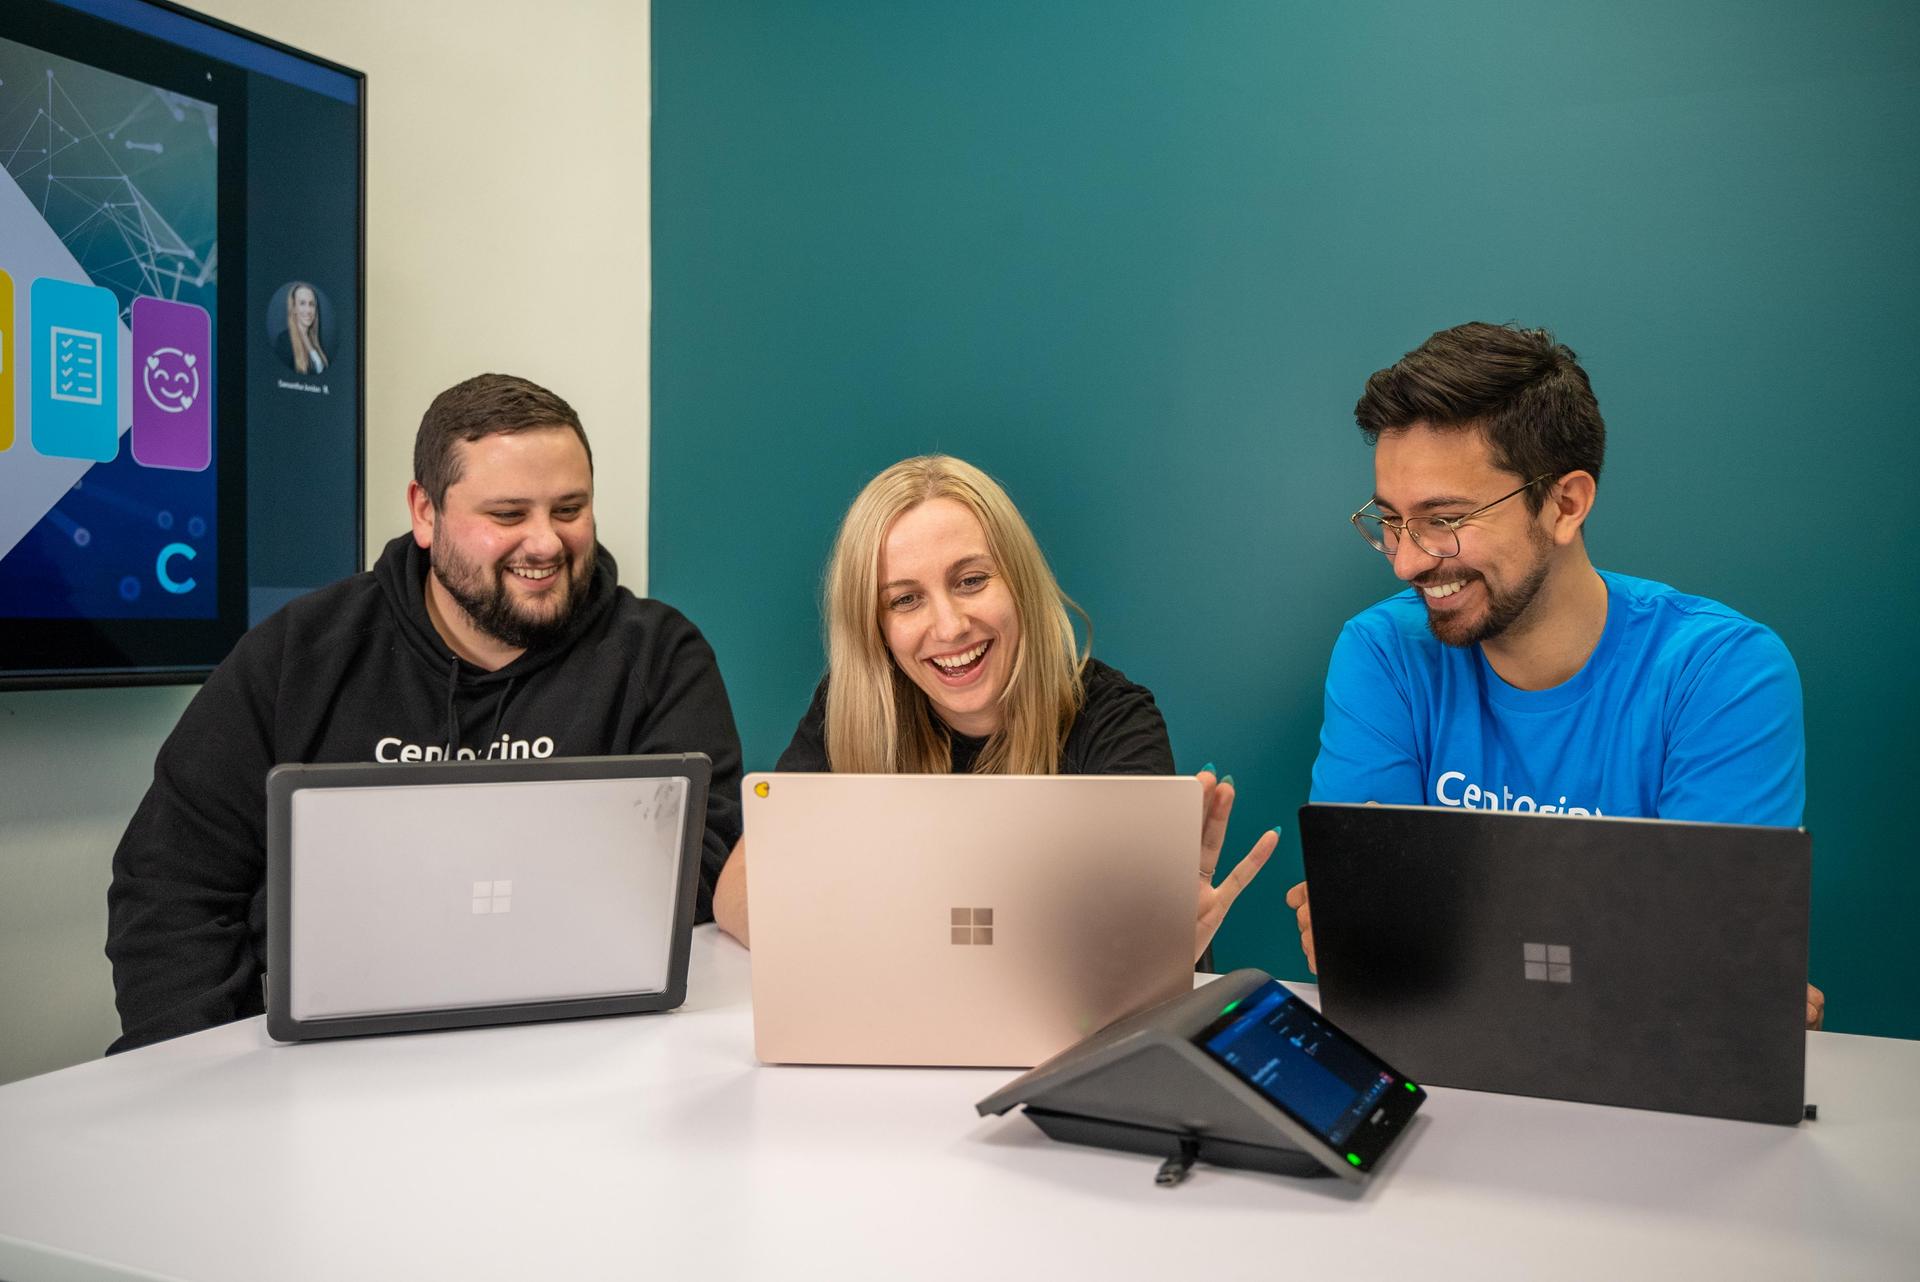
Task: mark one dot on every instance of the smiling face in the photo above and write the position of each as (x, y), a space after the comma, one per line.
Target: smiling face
(512, 542)
(947, 614)
(171, 379)
(1505, 554)
(305, 306)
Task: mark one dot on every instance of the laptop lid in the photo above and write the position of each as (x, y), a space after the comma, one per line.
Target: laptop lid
(448, 894)
(963, 919)
(1646, 963)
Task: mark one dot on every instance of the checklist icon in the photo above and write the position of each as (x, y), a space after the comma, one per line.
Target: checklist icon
(75, 342)
(76, 365)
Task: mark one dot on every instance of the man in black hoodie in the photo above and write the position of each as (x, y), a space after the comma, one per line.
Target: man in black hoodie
(496, 628)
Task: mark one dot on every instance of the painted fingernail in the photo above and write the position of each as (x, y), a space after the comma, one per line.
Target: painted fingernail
(1228, 779)
(1276, 830)
(1207, 769)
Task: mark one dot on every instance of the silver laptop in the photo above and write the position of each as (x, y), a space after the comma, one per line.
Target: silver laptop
(984, 920)
(433, 896)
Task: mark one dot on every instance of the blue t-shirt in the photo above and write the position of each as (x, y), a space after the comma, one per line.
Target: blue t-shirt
(1685, 710)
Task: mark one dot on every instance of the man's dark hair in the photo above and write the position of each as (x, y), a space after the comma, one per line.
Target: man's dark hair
(1523, 389)
(481, 406)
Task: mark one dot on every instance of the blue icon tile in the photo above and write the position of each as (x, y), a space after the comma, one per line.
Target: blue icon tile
(75, 370)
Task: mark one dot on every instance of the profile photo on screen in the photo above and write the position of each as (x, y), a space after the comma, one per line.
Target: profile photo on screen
(296, 319)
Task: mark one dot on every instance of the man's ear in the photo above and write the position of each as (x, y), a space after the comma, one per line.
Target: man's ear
(420, 508)
(1569, 500)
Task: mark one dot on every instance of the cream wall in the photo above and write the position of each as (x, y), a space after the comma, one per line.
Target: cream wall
(507, 213)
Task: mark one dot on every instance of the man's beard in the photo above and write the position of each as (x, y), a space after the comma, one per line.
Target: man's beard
(482, 592)
(1503, 608)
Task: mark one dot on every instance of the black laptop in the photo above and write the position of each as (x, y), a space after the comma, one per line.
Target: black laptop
(1638, 962)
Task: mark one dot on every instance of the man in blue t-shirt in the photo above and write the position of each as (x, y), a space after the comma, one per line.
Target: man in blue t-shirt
(1511, 674)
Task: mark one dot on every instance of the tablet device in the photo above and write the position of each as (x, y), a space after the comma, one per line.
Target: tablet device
(1348, 1104)
(440, 895)
(1238, 1073)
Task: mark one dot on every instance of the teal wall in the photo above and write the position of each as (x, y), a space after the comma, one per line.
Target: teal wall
(1137, 259)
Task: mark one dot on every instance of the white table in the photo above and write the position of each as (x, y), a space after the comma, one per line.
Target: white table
(655, 1146)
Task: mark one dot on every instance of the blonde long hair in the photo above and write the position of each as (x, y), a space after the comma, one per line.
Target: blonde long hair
(304, 344)
(878, 720)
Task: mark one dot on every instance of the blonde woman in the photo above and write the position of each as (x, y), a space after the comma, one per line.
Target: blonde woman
(950, 649)
(300, 345)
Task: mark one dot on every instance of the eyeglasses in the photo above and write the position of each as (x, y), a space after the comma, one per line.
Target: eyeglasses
(1435, 535)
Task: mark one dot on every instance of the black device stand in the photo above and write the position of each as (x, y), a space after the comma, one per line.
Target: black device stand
(1142, 1085)
(1180, 1149)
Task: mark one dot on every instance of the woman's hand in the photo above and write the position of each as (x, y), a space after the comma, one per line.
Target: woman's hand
(730, 893)
(1216, 803)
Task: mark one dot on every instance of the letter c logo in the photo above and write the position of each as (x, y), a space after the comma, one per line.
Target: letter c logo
(1440, 788)
(167, 581)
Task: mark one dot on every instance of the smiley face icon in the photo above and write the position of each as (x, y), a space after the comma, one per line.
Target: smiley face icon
(173, 359)
(171, 379)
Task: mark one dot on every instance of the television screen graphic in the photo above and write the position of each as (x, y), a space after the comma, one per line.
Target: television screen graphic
(181, 288)
(109, 235)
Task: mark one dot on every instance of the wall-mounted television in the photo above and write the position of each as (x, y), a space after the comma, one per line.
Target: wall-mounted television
(182, 287)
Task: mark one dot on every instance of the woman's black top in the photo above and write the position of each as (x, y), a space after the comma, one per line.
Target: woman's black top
(1119, 732)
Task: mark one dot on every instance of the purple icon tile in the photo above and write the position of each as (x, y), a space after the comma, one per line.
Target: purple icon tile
(172, 385)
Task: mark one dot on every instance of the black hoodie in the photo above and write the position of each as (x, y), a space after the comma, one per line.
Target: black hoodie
(356, 672)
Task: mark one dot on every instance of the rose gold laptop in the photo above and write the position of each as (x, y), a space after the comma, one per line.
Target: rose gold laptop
(985, 920)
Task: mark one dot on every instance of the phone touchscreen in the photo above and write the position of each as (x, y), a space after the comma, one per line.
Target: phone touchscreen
(1342, 1093)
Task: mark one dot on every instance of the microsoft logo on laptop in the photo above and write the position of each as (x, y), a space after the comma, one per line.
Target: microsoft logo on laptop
(492, 897)
(972, 925)
(1549, 963)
